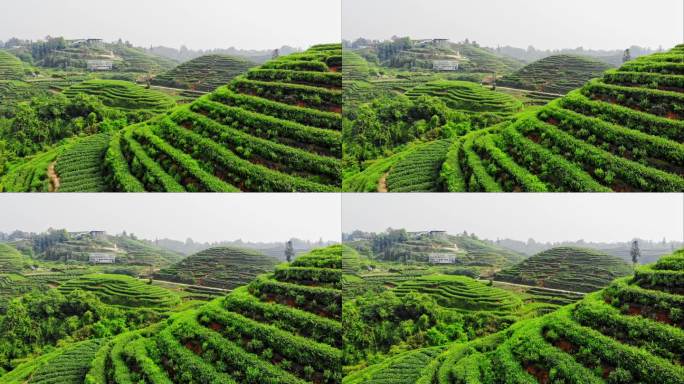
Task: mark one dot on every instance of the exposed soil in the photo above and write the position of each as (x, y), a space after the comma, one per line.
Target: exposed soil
(52, 176)
(382, 183)
(541, 374)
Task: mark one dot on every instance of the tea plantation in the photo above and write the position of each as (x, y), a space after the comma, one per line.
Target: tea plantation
(463, 294)
(123, 291)
(275, 128)
(620, 133)
(204, 73)
(555, 74)
(123, 95)
(11, 68)
(567, 268)
(629, 332)
(468, 97)
(283, 327)
(222, 267)
(11, 261)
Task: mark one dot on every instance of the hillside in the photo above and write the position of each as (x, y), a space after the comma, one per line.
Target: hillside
(462, 293)
(484, 60)
(223, 267)
(274, 129)
(11, 261)
(354, 67)
(123, 95)
(622, 132)
(204, 73)
(555, 74)
(124, 291)
(629, 332)
(567, 268)
(282, 328)
(468, 97)
(11, 68)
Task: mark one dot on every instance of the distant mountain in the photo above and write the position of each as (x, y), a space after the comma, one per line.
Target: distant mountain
(184, 54)
(612, 57)
(651, 251)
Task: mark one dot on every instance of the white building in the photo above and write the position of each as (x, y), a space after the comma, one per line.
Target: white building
(99, 65)
(441, 258)
(101, 258)
(445, 65)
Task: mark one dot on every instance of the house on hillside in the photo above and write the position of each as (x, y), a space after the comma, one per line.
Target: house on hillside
(99, 65)
(101, 258)
(441, 258)
(98, 234)
(438, 235)
(445, 65)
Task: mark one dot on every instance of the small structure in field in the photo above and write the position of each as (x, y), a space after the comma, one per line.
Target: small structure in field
(99, 65)
(441, 258)
(101, 258)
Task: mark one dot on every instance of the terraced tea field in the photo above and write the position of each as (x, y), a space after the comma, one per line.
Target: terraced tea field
(629, 332)
(223, 267)
(124, 291)
(204, 73)
(468, 97)
(11, 68)
(354, 67)
(11, 261)
(281, 328)
(79, 168)
(66, 365)
(555, 74)
(13, 91)
(620, 133)
(567, 268)
(419, 170)
(404, 368)
(123, 95)
(463, 294)
(277, 128)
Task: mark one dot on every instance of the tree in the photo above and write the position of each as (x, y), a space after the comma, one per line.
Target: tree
(289, 251)
(635, 252)
(626, 56)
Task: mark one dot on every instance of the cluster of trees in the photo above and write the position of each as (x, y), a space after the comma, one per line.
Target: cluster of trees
(30, 127)
(377, 324)
(376, 128)
(36, 322)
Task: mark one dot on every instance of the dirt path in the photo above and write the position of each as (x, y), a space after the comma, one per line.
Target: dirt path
(54, 179)
(382, 183)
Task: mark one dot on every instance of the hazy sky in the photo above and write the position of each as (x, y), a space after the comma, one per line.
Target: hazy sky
(544, 217)
(203, 217)
(246, 24)
(597, 24)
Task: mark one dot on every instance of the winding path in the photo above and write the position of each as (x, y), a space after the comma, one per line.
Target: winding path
(52, 176)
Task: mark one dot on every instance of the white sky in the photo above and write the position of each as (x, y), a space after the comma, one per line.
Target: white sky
(545, 24)
(546, 217)
(203, 217)
(245, 24)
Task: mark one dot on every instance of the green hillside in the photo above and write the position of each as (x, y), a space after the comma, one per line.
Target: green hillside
(418, 171)
(622, 132)
(354, 67)
(462, 293)
(79, 168)
(222, 267)
(274, 129)
(281, 328)
(11, 261)
(555, 74)
(11, 68)
(567, 268)
(123, 95)
(204, 73)
(629, 332)
(484, 60)
(67, 365)
(468, 97)
(121, 290)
